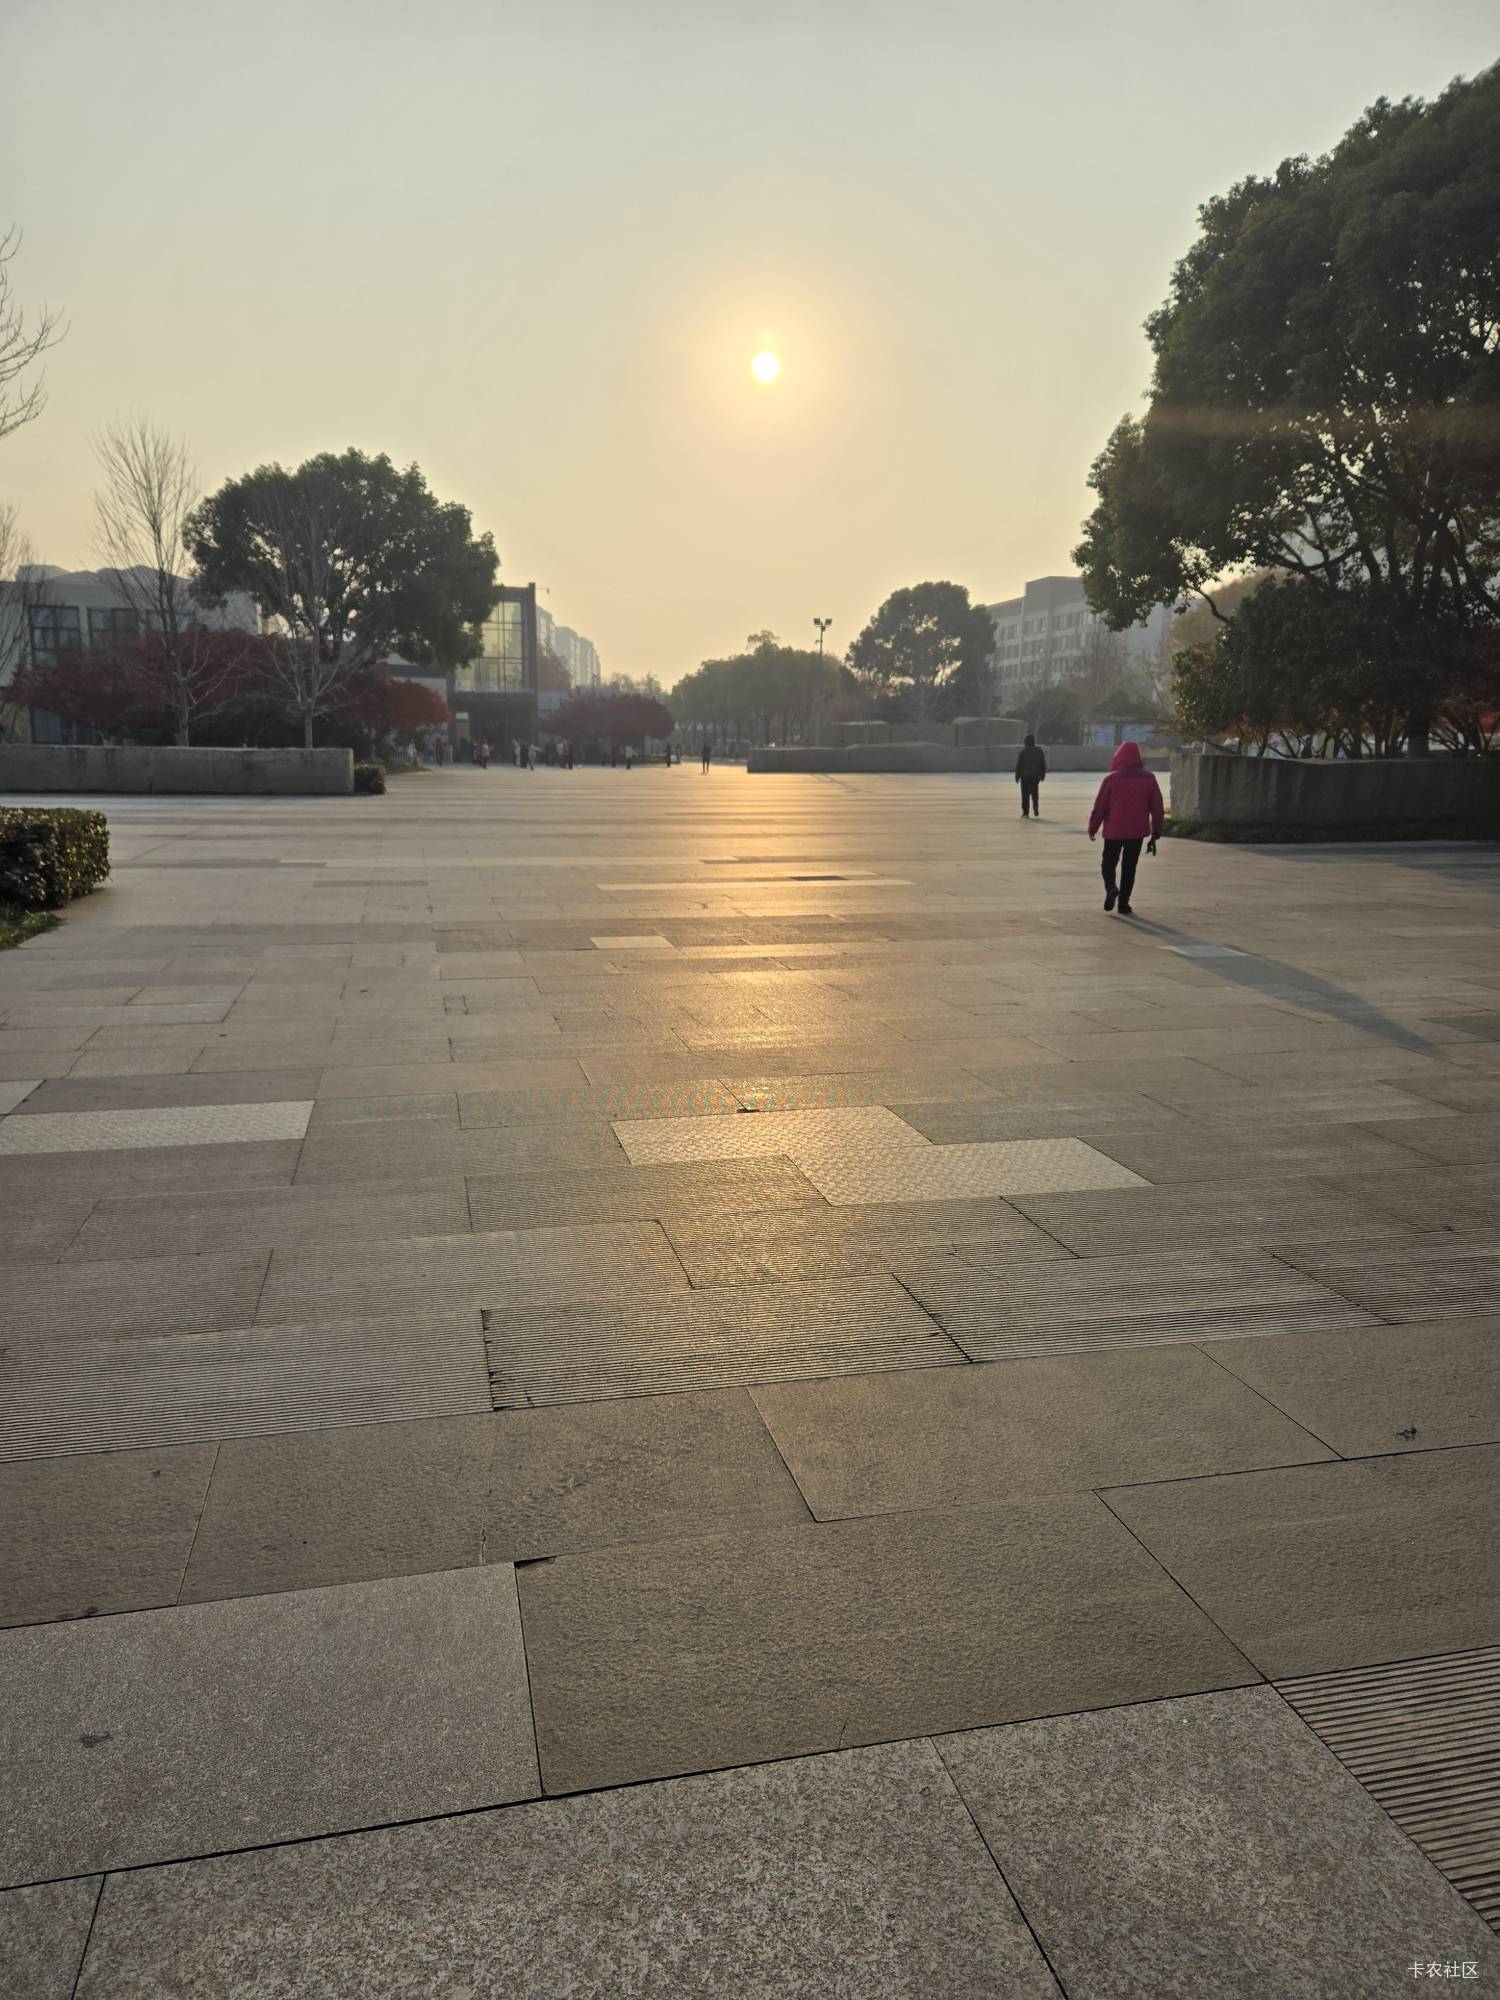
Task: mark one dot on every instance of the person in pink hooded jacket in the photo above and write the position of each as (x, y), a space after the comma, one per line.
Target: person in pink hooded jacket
(1129, 810)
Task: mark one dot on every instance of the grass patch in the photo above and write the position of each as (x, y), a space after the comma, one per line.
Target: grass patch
(16, 925)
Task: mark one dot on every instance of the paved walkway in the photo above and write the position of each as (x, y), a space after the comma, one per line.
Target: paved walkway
(658, 1385)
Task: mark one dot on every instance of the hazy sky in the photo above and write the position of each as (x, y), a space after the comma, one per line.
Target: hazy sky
(535, 247)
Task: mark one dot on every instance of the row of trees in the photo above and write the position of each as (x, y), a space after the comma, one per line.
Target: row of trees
(1322, 424)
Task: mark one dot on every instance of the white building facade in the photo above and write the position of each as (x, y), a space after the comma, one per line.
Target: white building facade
(1040, 635)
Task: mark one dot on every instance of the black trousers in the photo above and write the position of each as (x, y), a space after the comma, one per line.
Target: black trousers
(1122, 855)
(1031, 796)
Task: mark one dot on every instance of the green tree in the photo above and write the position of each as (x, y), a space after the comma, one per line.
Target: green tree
(352, 559)
(929, 648)
(1326, 381)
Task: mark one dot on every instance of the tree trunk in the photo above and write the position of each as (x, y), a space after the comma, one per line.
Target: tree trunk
(307, 729)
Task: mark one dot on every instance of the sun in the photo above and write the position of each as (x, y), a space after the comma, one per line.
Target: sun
(766, 366)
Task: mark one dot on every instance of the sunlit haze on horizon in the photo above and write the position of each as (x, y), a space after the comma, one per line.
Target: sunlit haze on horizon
(542, 252)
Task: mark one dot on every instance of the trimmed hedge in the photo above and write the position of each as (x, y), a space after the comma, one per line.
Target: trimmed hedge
(50, 854)
(369, 777)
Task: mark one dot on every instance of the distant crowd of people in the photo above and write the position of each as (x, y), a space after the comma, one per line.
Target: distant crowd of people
(559, 755)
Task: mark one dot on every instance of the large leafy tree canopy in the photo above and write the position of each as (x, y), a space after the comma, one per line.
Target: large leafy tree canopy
(929, 648)
(599, 716)
(1326, 396)
(758, 693)
(351, 555)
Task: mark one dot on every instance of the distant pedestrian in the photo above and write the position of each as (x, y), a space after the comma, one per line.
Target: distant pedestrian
(629, 756)
(531, 756)
(484, 756)
(707, 752)
(568, 754)
(1031, 768)
(1129, 810)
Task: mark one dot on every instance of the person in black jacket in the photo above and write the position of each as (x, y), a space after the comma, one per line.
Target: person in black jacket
(1031, 768)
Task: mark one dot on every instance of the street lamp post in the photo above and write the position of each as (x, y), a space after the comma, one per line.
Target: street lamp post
(822, 625)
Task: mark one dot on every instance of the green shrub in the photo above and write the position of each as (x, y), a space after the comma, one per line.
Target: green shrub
(50, 854)
(369, 777)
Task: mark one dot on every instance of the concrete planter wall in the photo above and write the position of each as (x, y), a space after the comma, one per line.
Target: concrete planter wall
(931, 757)
(1364, 792)
(78, 767)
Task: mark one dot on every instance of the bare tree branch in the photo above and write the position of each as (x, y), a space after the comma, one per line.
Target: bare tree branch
(22, 344)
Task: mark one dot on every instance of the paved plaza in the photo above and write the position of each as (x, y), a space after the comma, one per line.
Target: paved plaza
(622, 1384)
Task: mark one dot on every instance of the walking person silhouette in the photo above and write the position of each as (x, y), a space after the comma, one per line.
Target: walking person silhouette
(1128, 809)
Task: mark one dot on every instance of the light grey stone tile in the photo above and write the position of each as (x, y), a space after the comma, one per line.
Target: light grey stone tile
(859, 1875)
(15, 1091)
(133, 1093)
(624, 1193)
(109, 1531)
(960, 1437)
(73, 1177)
(706, 1339)
(1381, 1388)
(528, 1266)
(177, 1125)
(159, 1734)
(647, 1468)
(343, 1505)
(42, 1234)
(965, 1172)
(1208, 1845)
(261, 1218)
(1126, 1221)
(1318, 1567)
(1453, 1141)
(440, 1106)
(43, 1931)
(695, 1097)
(1007, 1312)
(60, 1304)
(787, 1244)
(689, 1655)
(1414, 1277)
(111, 1395)
(422, 1147)
(1180, 1154)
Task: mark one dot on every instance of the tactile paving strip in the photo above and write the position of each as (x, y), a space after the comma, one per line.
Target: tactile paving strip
(871, 1155)
(708, 1340)
(112, 1395)
(1423, 1738)
(173, 1125)
(1451, 1278)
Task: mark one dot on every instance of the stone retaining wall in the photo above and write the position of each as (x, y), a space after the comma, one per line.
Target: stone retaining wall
(1314, 792)
(931, 757)
(87, 768)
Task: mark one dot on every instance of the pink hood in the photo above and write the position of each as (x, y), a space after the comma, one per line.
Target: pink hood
(1129, 805)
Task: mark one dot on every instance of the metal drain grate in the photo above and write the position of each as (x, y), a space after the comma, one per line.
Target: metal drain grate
(1423, 1738)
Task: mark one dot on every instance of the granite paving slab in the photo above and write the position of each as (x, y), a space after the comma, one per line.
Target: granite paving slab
(643, 1469)
(115, 1395)
(962, 1437)
(260, 1218)
(606, 1260)
(1009, 1312)
(1417, 1277)
(344, 1505)
(160, 1734)
(733, 1649)
(1205, 1846)
(1381, 1388)
(1421, 1737)
(413, 1079)
(1126, 1221)
(135, 1093)
(859, 1876)
(107, 1532)
(706, 1339)
(782, 1245)
(15, 1091)
(1453, 1141)
(1180, 1154)
(653, 1141)
(43, 1932)
(62, 1305)
(421, 1148)
(623, 1193)
(964, 1172)
(439, 1105)
(42, 1234)
(1316, 1568)
(693, 1097)
(33, 1177)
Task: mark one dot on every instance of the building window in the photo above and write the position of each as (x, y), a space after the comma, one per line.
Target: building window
(110, 626)
(56, 631)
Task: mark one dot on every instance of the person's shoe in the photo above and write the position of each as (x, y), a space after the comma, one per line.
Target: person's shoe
(1126, 911)
(1111, 897)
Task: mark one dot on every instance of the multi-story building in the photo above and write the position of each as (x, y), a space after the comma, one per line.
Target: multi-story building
(1040, 636)
(493, 697)
(579, 655)
(50, 615)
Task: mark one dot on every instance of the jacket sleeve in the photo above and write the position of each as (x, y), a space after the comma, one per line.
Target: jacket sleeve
(1096, 817)
(1018, 766)
(1158, 810)
(1041, 763)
